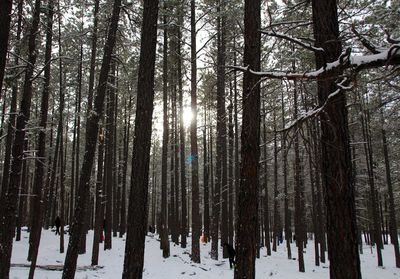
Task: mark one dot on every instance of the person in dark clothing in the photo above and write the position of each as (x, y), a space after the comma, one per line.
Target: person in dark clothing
(57, 222)
(231, 253)
(151, 229)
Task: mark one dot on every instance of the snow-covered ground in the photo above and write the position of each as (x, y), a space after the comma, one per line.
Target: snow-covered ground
(179, 265)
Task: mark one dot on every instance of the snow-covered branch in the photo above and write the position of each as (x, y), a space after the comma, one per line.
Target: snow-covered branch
(356, 63)
(293, 40)
(343, 86)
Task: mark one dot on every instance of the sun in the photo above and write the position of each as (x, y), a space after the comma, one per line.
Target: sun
(187, 116)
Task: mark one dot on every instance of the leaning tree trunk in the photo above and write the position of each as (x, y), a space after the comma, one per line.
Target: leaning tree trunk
(248, 188)
(137, 217)
(336, 158)
(10, 204)
(196, 221)
(40, 162)
(92, 129)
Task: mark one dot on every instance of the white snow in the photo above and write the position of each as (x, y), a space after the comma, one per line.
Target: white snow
(180, 266)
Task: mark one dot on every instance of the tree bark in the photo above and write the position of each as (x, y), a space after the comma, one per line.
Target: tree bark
(164, 157)
(250, 138)
(336, 158)
(99, 212)
(194, 154)
(298, 191)
(137, 217)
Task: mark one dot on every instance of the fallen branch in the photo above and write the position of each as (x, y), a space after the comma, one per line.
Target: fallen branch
(59, 267)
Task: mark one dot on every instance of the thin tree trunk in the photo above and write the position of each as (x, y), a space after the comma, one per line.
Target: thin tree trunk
(109, 162)
(98, 230)
(276, 229)
(221, 124)
(267, 241)
(288, 231)
(196, 220)
(236, 136)
(24, 190)
(137, 217)
(164, 160)
(230, 170)
(183, 227)
(299, 191)
(127, 127)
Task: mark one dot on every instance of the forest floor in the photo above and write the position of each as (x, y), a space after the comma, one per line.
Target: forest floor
(179, 264)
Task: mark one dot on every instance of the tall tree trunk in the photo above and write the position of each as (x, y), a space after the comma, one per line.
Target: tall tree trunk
(267, 241)
(164, 156)
(127, 128)
(206, 197)
(221, 125)
(336, 157)
(182, 137)
(250, 138)
(109, 161)
(236, 136)
(23, 201)
(99, 212)
(288, 231)
(37, 199)
(196, 220)
(5, 20)
(298, 191)
(137, 217)
(92, 129)
(277, 222)
(82, 243)
(10, 204)
(230, 170)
